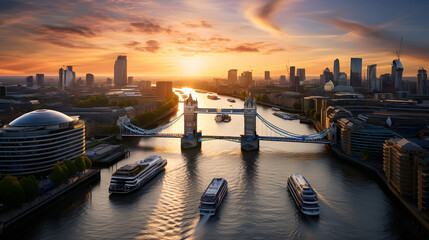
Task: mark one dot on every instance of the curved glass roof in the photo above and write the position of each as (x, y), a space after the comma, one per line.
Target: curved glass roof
(40, 117)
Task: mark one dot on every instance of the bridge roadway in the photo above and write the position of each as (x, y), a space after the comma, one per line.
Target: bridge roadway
(261, 138)
(234, 111)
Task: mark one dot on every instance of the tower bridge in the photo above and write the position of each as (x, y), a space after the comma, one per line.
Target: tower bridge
(191, 138)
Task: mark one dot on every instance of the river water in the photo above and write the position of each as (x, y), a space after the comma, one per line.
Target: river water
(257, 206)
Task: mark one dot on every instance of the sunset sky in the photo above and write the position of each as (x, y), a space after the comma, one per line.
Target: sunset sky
(208, 37)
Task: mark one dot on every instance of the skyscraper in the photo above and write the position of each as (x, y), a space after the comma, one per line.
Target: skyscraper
(40, 79)
(29, 81)
(89, 80)
(336, 71)
(232, 76)
(342, 79)
(120, 71)
(326, 77)
(397, 70)
(300, 72)
(371, 73)
(67, 78)
(267, 77)
(356, 72)
(422, 82)
(387, 84)
(282, 80)
(246, 79)
(130, 80)
(292, 77)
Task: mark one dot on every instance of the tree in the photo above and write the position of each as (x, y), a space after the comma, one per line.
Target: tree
(80, 163)
(365, 155)
(312, 111)
(243, 93)
(57, 175)
(72, 170)
(88, 162)
(265, 98)
(317, 116)
(11, 193)
(297, 106)
(30, 187)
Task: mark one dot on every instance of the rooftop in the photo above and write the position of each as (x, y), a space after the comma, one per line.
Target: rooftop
(41, 117)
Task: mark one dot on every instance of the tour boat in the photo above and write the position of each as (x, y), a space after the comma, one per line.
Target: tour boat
(213, 196)
(231, 100)
(212, 97)
(222, 118)
(286, 116)
(131, 177)
(303, 195)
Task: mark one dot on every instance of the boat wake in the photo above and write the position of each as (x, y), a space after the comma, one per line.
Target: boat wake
(203, 220)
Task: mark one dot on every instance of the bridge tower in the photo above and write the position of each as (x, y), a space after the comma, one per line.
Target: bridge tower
(190, 138)
(250, 140)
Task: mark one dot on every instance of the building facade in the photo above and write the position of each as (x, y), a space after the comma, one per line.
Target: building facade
(120, 71)
(397, 70)
(40, 80)
(36, 141)
(371, 73)
(89, 80)
(232, 76)
(422, 82)
(164, 88)
(356, 72)
(336, 71)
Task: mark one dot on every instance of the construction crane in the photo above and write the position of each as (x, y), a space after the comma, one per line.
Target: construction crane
(398, 54)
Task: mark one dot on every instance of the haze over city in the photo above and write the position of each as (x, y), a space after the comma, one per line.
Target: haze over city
(194, 38)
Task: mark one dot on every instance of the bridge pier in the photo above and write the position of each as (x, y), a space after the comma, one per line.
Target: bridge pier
(190, 138)
(249, 141)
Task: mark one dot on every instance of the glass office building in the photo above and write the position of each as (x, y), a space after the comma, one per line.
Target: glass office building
(356, 72)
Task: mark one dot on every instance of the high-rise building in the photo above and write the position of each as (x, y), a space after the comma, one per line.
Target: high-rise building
(397, 70)
(67, 78)
(336, 71)
(422, 82)
(130, 80)
(371, 73)
(246, 79)
(292, 77)
(164, 88)
(342, 79)
(326, 77)
(282, 80)
(40, 79)
(267, 77)
(356, 72)
(3, 91)
(232, 76)
(387, 84)
(29, 81)
(89, 80)
(120, 71)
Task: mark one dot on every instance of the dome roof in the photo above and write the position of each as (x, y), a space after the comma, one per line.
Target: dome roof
(329, 86)
(40, 117)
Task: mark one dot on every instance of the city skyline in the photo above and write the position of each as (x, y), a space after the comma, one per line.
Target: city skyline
(172, 38)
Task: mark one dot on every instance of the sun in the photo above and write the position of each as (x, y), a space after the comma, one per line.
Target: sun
(192, 66)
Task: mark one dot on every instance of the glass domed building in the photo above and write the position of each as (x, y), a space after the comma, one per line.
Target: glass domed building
(34, 142)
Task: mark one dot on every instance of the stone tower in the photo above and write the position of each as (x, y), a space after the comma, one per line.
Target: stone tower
(190, 137)
(249, 141)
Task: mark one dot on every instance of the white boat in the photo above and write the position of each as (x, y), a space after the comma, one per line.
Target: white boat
(132, 176)
(213, 196)
(275, 109)
(304, 196)
(286, 116)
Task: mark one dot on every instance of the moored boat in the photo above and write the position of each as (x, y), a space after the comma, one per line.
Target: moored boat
(132, 176)
(303, 194)
(231, 100)
(212, 97)
(213, 196)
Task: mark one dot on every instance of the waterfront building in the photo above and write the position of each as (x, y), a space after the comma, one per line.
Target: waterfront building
(336, 71)
(356, 72)
(120, 71)
(40, 80)
(34, 142)
(422, 82)
(89, 80)
(164, 88)
(371, 73)
(267, 77)
(232, 76)
(292, 77)
(29, 81)
(397, 70)
(357, 136)
(402, 161)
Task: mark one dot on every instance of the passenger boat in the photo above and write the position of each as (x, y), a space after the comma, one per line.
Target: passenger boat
(212, 97)
(231, 100)
(213, 196)
(222, 118)
(286, 116)
(131, 177)
(303, 195)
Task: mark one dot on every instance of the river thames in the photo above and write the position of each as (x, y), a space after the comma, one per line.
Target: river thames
(257, 206)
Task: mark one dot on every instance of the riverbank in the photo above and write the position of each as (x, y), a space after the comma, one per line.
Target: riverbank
(418, 221)
(15, 216)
